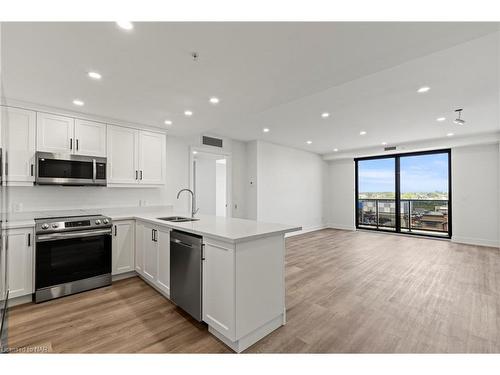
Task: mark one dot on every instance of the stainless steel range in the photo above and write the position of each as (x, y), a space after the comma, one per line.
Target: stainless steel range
(72, 254)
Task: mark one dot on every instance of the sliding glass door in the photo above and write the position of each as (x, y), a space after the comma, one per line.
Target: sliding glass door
(408, 193)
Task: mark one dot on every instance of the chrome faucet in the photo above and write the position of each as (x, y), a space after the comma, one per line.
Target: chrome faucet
(194, 210)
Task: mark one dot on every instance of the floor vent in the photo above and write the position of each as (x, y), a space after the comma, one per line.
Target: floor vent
(210, 141)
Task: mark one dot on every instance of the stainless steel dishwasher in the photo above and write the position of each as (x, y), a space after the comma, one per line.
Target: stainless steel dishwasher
(186, 272)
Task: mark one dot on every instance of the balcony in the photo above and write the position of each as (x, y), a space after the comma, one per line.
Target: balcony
(422, 216)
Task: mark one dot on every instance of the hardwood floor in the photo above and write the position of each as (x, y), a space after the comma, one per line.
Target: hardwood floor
(353, 292)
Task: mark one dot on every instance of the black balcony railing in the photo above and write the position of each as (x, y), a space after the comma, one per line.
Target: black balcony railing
(416, 214)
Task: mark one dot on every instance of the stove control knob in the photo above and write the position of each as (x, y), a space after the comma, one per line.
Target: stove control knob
(105, 221)
(97, 222)
(55, 225)
(45, 226)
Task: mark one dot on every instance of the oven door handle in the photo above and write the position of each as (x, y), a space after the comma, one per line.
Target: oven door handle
(63, 236)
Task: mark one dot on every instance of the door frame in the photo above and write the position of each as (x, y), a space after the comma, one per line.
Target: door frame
(229, 173)
(397, 182)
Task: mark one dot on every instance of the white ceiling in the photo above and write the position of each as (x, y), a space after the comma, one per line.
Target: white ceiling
(276, 75)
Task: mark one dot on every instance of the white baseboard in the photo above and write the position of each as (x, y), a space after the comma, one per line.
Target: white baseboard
(474, 241)
(340, 226)
(305, 230)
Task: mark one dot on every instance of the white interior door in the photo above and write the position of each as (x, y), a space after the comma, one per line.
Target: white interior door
(210, 182)
(54, 133)
(90, 138)
(122, 146)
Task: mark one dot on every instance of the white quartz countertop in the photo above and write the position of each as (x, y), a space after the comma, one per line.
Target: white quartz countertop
(222, 228)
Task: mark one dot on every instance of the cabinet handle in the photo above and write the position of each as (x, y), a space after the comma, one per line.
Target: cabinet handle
(152, 235)
(115, 230)
(71, 143)
(136, 174)
(141, 174)
(32, 170)
(29, 239)
(202, 251)
(77, 145)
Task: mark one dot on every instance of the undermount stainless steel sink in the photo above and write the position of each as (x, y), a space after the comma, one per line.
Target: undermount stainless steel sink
(177, 219)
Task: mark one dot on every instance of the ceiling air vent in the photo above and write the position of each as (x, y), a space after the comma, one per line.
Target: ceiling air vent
(210, 141)
(390, 148)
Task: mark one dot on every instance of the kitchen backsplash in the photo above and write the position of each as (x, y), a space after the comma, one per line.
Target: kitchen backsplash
(21, 199)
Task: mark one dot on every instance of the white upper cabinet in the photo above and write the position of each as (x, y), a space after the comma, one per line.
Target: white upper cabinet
(54, 133)
(90, 138)
(61, 134)
(135, 157)
(152, 158)
(122, 155)
(19, 142)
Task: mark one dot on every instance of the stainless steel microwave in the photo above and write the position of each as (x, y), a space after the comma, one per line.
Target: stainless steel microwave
(67, 169)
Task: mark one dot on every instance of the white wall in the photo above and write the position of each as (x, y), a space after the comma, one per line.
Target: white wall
(289, 186)
(340, 194)
(475, 194)
(220, 189)
(251, 180)
(239, 179)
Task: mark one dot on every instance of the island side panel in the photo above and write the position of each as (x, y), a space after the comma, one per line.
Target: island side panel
(219, 287)
(260, 283)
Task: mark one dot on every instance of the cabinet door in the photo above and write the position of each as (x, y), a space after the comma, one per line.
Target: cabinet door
(218, 288)
(163, 280)
(19, 133)
(54, 133)
(122, 145)
(123, 246)
(139, 247)
(152, 151)
(90, 138)
(150, 253)
(20, 261)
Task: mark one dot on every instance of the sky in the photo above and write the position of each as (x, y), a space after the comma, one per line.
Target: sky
(423, 173)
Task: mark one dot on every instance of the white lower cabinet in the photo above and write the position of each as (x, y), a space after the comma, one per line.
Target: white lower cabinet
(139, 248)
(152, 255)
(219, 287)
(163, 242)
(19, 261)
(123, 245)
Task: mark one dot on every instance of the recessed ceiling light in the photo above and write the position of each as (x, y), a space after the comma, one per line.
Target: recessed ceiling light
(440, 119)
(384, 143)
(188, 113)
(335, 150)
(362, 132)
(78, 102)
(309, 142)
(195, 152)
(450, 135)
(265, 130)
(214, 100)
(325, 115)
(94, 75)
(125, 25)
(423, 89)
(168, 122)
